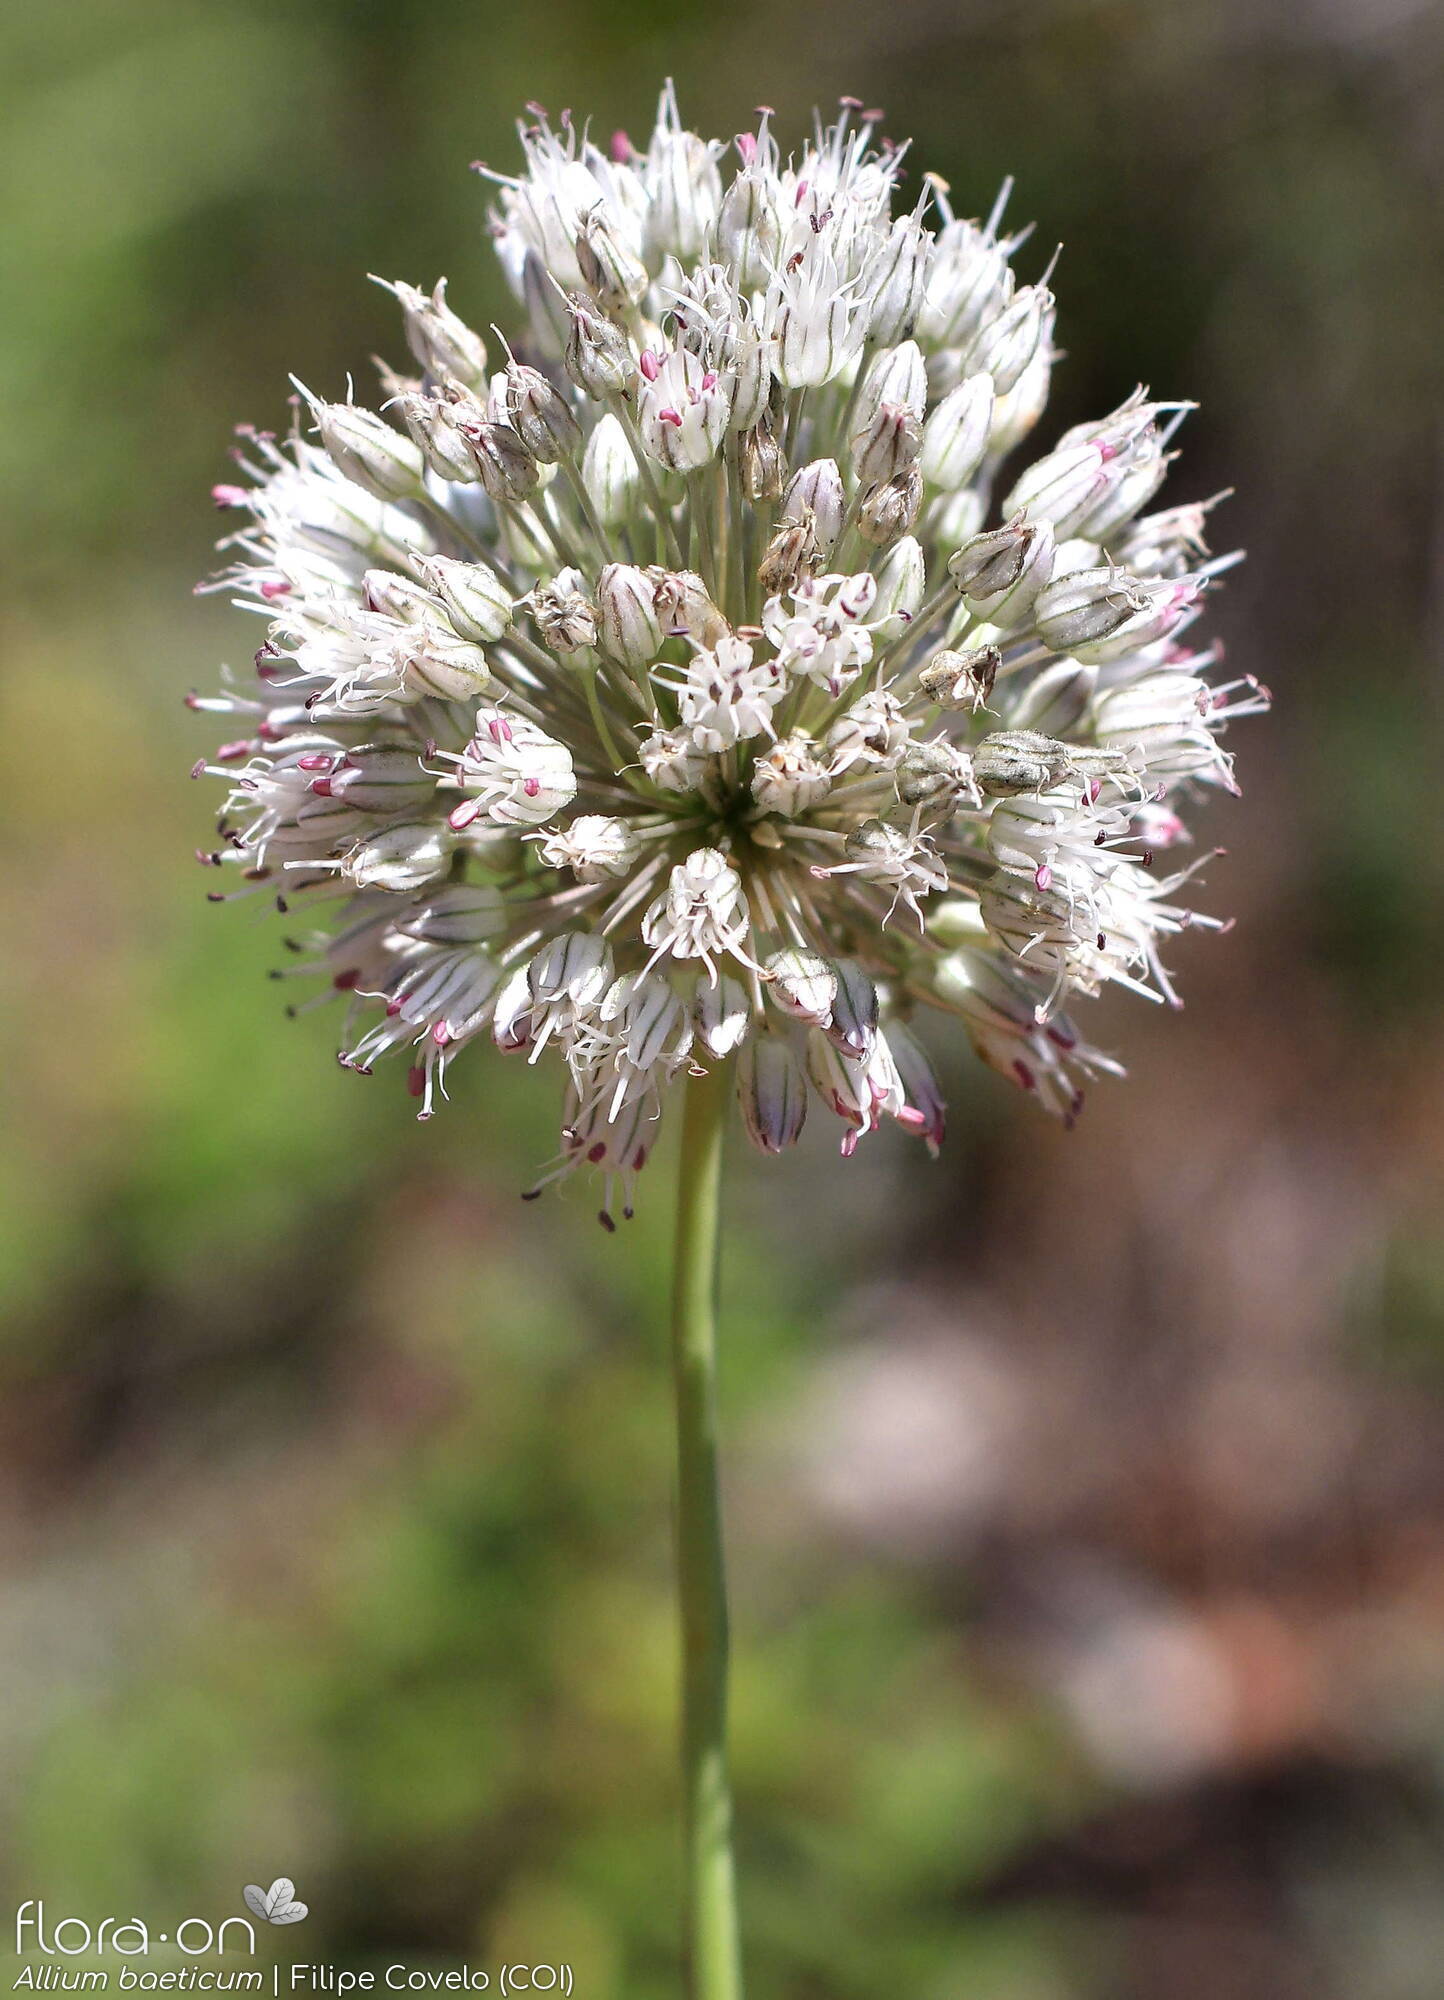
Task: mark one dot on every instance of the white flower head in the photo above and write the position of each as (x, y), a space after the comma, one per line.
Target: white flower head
(873, 733)
(683, 408)
(792, 777)
(819, 321)
(727, 695)
(672, 760)
(595, 846)
(616, 699)
(702, 913)
(513, 773)
(821, 630)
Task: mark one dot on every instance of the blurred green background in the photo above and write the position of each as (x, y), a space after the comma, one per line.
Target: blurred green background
(1086, 1491)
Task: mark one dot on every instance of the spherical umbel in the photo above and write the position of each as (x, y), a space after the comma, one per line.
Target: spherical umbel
(670, 690)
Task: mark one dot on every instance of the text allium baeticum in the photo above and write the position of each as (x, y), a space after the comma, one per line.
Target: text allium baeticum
(686, 680)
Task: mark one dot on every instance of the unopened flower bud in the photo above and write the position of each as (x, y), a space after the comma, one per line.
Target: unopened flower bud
(959, 516)
(540, 416)
(436, 424)
(1080, 609)
(1006, 345)
(375, 778)
(1017, 760)
(961, 680)
(614, 275)
(762, 465)
(1073, 555)
(400, 858)
(818, 486)
(443, 344)
(509, 472)
(437, 662)
(721, 1015)
(955, 437)
(609, 472)
(684, 607)
(890, 509)
(853, 1027)
(398, 596)
(890, 443)
(772, 1092)
(1001, 571)
(802, 985)
(749, 228)
(935, 774)
(627, 624)
(476, 600)
(745, 357)
(367, 450)
(792, 554)
(896, 375)
(904, 263)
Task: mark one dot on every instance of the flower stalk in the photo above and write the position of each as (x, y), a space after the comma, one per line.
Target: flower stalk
(713, 1952)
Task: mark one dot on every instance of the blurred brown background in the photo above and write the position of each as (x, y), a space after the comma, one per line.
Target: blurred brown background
(1087, 1491)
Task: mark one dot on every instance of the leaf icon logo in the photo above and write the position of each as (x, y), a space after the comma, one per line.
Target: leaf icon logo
(276, 1905)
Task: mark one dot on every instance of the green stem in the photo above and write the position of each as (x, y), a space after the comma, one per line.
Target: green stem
(698, 485)
(600, 723)
(660, 508)
(713, 1953)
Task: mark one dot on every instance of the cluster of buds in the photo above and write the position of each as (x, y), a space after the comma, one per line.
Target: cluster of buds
(673, 693)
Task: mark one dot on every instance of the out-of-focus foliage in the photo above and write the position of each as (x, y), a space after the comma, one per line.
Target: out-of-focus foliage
(1086, 1495)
